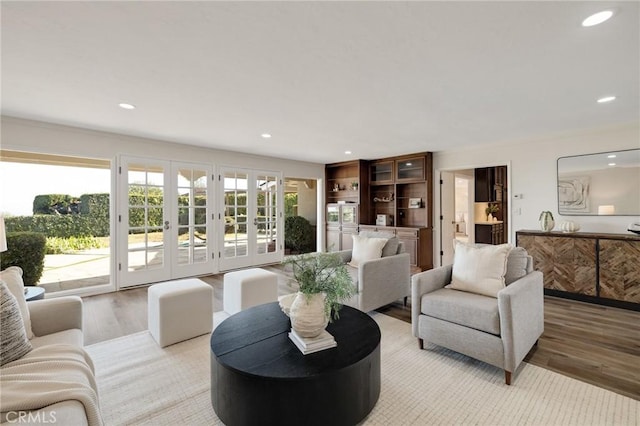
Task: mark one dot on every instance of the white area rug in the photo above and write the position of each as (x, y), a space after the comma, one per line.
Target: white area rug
(141, 383)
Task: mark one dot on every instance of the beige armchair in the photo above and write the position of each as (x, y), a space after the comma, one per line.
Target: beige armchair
(497, 330)
(383, 280)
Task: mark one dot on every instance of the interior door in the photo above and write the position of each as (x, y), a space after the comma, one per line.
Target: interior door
(252, 212)
(447, 217)
(165, 217)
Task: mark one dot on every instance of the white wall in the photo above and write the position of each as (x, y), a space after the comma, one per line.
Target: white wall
(40, 137)
(532, 173)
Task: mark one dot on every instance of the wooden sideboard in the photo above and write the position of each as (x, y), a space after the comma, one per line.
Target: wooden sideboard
(592, 267)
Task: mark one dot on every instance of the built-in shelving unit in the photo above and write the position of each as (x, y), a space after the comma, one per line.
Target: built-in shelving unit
(399, 188)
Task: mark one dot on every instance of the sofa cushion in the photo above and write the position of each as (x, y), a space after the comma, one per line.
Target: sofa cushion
(365, 248)
(12, 276)
(479, 270)
(463, 308)
(516, 265)
(14, 343)
(72, 336)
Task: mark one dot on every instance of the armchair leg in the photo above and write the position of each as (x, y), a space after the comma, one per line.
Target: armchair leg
(507, 377)
(421, 343)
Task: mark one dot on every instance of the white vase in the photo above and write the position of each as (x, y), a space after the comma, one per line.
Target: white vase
(307, 313)
(489, 217)
(569, 226)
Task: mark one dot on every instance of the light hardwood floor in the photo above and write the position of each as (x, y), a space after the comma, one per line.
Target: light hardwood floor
(592, 343)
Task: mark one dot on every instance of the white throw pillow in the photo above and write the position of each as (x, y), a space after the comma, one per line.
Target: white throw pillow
(479, 270)
(12, 276)
(365, 248)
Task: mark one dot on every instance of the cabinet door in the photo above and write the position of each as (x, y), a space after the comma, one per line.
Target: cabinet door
(381, 172)
(410, 170)
(346, 237)
(349, 215)
(409, 238)
(333, 214)
(484, 234)
(567, 264)
(619, 272)
(333, 238)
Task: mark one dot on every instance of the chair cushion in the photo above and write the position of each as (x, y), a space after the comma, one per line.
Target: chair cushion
(12, 276)
(463, 308)
(366, 249)
(516, 265)
(14, 343)
(479, 270)
(391, 247)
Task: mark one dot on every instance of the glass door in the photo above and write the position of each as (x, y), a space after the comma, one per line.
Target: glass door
(165, 221)
(144, 221)
(252, 218)
(191, 240)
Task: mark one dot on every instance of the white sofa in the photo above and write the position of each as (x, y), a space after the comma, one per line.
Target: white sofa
(53, 321)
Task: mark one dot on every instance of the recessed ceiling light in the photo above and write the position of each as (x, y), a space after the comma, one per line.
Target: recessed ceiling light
(606, 99)
(348, 152)
(126, 106)
(597, 18)
(611, 156)
(612, 164)
(266, 135)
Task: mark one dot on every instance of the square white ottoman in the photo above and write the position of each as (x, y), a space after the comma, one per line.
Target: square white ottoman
(180, 310)
(249, 287)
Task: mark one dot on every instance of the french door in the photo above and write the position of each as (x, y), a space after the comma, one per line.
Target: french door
(251, 232)
(164, 220)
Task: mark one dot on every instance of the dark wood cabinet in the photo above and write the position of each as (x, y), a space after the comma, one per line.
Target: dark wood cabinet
(490, 233)
(400, 188)
(483, 184)
(592, 267)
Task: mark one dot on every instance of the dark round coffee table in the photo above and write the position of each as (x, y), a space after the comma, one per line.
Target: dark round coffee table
(259, 377)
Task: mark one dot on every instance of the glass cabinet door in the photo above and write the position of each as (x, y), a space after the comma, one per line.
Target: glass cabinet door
(333, 214)
(349, 215)
(381, 172)
(410, 169)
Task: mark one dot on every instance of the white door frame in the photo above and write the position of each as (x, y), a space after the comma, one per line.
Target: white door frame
(250, 255)
(168, 250)
(437, 208)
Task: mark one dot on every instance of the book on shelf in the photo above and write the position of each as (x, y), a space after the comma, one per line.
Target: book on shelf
(308, 345)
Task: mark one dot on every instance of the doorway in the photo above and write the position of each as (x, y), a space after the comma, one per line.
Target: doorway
(465, 195)
(164, 220)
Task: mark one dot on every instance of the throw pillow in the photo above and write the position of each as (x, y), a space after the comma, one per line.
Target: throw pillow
(516, 265)
(479, 270)
(12, 276)
(366, 249)
(14, 343)
(391, 247)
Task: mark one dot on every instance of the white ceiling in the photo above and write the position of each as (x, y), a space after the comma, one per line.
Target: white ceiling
(376, 78)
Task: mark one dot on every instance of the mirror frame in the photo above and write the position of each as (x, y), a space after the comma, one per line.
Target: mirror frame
(579, 187)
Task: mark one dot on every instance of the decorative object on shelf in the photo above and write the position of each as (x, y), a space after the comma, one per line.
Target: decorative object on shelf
(569, 226)
(336, 187)
(388, 199)
(634, 227)
(415, 203)
(491, 208)
(354, 186)
(383, 220)
(546, 221)
(323, 284)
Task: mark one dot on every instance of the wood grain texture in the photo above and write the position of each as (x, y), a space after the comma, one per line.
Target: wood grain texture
(568, 264)
(620, 270)
(592, 343)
